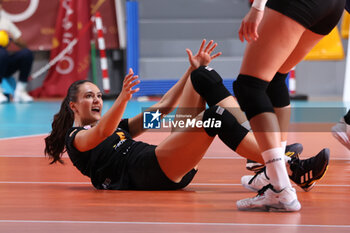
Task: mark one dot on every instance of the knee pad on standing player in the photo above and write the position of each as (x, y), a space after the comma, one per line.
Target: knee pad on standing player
(251, 95)
(208, 84)
(278, 91)
(230, 131)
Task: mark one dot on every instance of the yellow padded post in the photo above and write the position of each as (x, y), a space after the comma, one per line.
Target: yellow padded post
(329, 48)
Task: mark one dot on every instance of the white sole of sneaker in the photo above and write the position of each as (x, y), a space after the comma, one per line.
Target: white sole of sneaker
(279, 207)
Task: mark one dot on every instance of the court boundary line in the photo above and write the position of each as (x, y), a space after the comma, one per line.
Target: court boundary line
(191, 184)
(176, 223)
(205, 157)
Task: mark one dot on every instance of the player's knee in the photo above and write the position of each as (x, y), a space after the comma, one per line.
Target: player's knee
(230, 131)
(251, 95)
(208, 84)
(213, 113)
(278, 91)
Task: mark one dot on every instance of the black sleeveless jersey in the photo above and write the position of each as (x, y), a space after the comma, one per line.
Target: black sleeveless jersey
(108, 159)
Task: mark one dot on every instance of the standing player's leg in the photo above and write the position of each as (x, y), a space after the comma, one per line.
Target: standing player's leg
(278, 37)
(326, 17)
(278, 91)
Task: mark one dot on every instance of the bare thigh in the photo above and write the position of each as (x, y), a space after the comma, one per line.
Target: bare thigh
(307, 41)
(278, 37)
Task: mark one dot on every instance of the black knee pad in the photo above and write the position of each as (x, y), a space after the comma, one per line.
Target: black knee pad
(208, 84)
(251, 95)
(230, 132)
(278, 91)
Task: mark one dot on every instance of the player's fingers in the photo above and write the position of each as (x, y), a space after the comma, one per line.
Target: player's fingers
(134, 91)
(240, 32)
(212, 48)
(216, 55)
(202, 46)
(208, 46)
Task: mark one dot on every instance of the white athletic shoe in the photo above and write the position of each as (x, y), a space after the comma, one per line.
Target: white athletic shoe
(3, 98)
(256, 182)
(341, 131)
(269, 199)
(22, 96)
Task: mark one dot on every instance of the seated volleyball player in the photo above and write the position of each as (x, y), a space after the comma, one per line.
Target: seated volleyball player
(279, 37)
(102, 148)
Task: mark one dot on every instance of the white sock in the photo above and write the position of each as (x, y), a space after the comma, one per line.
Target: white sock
(276, 168)
(284, 145)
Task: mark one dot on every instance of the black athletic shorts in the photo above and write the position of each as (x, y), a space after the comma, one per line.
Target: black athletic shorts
(319, 16)
(145, 173)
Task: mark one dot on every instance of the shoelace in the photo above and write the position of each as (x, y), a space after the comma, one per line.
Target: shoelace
(263, 189)
(258, 173)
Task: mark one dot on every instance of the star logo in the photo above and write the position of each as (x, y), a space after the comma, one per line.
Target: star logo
(156, 115)
(151, 120)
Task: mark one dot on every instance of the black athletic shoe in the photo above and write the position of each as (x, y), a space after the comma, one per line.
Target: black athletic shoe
(291, 150)
(294, 150)
(306, 172)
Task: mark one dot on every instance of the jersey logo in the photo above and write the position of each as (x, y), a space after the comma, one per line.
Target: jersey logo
(122, 139)
(208, 68)
(121, 136)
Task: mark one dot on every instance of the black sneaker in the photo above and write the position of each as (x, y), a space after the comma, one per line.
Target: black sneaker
(294, 150)
(291, 150)
(306, 172)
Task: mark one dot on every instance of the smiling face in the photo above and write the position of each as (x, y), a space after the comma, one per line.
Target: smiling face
(88, 106)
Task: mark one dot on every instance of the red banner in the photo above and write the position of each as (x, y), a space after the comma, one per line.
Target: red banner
(73, 21)
(37, 18)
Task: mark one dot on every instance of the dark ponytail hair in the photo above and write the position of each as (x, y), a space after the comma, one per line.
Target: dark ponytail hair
(62, 122)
